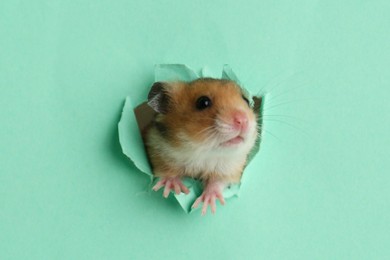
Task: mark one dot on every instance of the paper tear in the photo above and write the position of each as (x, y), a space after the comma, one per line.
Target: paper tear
(131, 140)
(135, 118)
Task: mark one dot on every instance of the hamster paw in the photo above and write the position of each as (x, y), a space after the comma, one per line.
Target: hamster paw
(212, 192)
(171, 183)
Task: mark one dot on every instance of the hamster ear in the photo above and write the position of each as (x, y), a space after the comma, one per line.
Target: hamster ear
(158, 98)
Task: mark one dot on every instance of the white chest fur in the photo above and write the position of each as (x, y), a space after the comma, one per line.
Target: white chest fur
(197, 160)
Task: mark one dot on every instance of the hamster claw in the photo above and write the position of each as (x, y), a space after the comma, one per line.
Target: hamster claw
(171, 184)
(208, 197)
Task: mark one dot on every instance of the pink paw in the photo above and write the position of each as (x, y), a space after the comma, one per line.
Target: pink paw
(212, 192)
(171, 183)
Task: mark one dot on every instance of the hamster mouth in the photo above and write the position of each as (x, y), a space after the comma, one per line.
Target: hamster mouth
(234, 141)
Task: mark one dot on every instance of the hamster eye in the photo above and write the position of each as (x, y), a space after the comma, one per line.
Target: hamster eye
(203, 102)
(246, 100)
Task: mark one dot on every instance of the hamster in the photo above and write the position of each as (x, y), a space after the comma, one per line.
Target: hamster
(204, 130)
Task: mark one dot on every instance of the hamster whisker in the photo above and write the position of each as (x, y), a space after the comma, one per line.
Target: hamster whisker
(223, 125)
(277, 81)
(265, 117)
(290, 102)
(226, 130)
(271, 134)
(289, 124)
(211, 139)
(209, 130)
(284, 93)
(278, 105)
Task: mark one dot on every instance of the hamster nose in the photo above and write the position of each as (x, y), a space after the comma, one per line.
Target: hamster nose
(240, 120)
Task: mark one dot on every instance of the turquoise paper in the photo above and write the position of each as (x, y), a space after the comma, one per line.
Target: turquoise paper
(318, 188)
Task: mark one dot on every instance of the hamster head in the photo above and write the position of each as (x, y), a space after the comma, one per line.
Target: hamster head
(207, 113)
